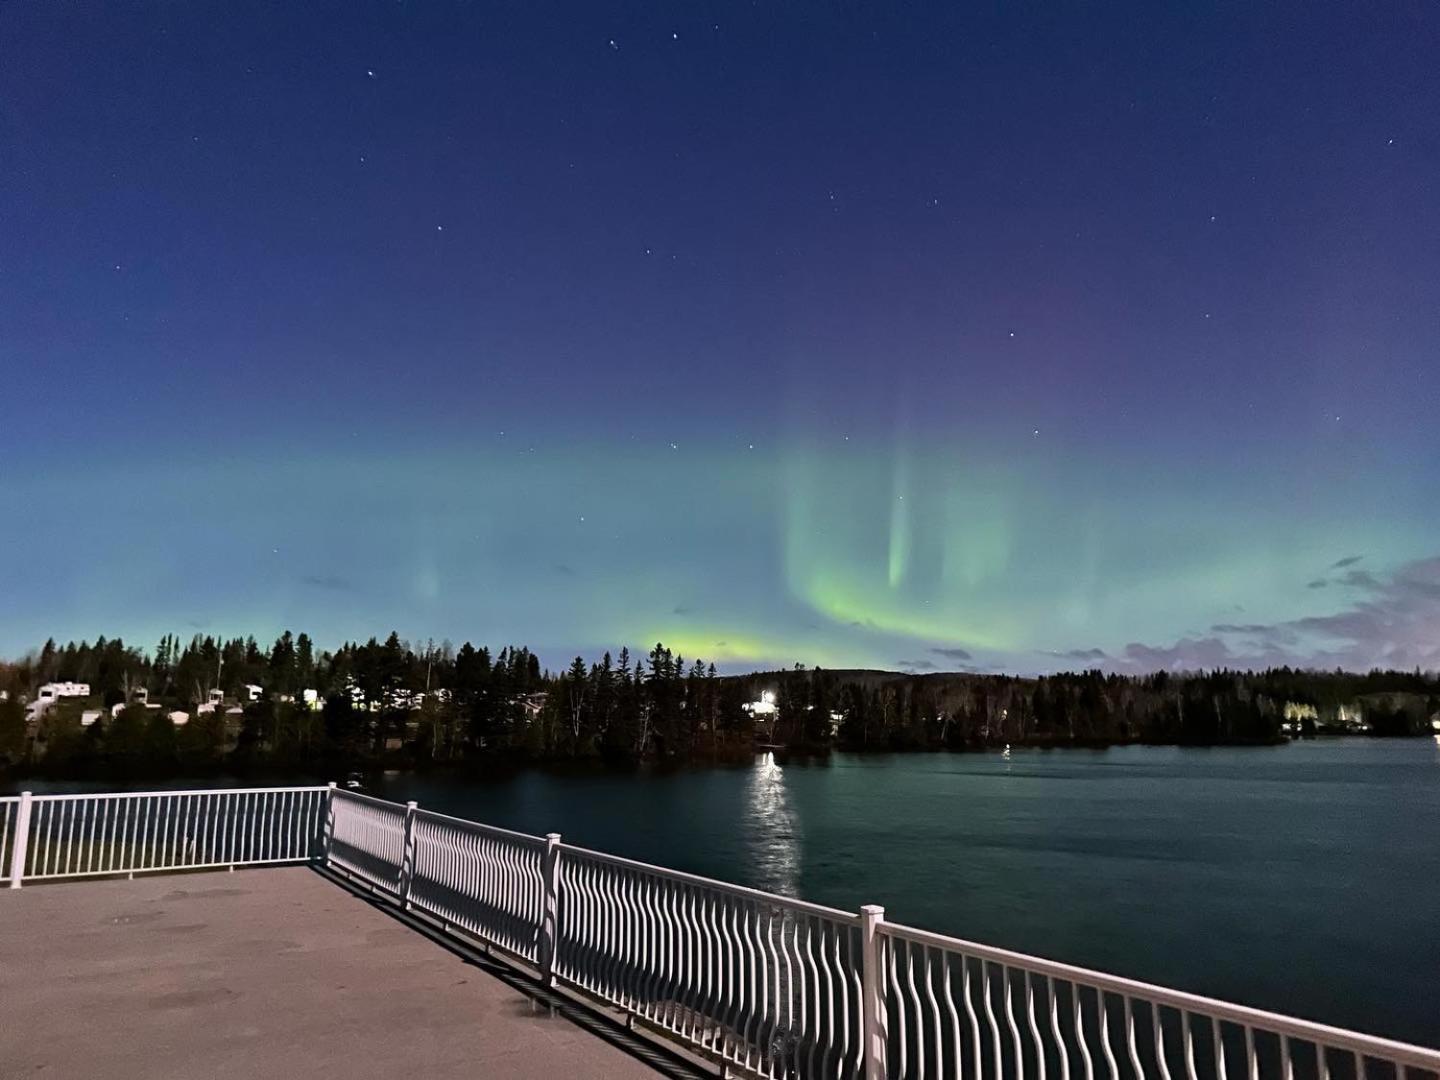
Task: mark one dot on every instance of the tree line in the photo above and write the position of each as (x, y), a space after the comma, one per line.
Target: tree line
(421, 705)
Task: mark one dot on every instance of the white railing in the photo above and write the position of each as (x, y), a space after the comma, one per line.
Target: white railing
(487, 881)
(70, 836)
(780, 988)
(366, 837)
(959, 1008)
(768, 983)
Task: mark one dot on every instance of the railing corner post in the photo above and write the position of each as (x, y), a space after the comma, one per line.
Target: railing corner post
(549, 927)
(407, 858)
(872, 1004)
(327, 826)
(21, 843)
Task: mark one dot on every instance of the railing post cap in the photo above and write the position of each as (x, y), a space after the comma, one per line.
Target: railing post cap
(553, 837)
(412, 804)
(875, 911)
(331, 785)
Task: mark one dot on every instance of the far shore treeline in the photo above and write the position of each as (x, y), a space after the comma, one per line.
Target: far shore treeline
(213, 704)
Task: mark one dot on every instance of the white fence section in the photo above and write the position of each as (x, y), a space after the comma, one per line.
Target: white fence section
(777, 987)
(366, 837)
(487, 881)
(768, 983)
(9, 810)
(959, 1008)
(68, 836)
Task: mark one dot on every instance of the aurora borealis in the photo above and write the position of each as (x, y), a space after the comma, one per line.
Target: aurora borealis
(844, 334)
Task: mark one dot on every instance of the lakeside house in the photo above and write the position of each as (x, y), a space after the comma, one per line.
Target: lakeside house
(52, 692)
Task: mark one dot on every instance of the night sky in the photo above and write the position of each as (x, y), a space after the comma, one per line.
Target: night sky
(903, 335)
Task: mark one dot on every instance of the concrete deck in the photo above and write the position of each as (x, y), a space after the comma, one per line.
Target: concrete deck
(260, 973)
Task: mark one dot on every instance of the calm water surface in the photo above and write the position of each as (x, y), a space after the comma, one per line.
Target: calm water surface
(1302, 878)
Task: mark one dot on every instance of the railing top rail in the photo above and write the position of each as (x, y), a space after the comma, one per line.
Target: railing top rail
(75, 796)
(466, 823)
(361, 797)
(1340, 1038)
(847, 917)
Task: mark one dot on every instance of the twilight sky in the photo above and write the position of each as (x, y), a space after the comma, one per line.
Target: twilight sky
(936, 336)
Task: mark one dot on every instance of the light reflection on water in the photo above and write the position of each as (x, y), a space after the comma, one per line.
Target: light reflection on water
(773, 837)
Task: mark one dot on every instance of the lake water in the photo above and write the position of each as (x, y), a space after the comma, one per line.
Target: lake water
(1302, 878)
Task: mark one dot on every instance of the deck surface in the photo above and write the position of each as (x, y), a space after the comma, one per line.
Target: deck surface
(259, 973)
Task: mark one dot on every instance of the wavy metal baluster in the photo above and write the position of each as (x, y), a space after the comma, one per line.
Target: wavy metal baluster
(1159, 1041)
(824, 1032)
(929, 980)
(986, 985)
(946, 963)
(1186, 1024)
(892, 947)
(1080, 1041)
(693, 960)
(1130, 1037)
(1060, 1048)
(843, 985)
(1010, 1020)
(1034, 1028)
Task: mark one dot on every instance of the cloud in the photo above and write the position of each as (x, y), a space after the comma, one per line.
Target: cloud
(951, 654)
(1078, 654)
(561, 568)
(916, 665)
(681, 609)
(1318, 583)
(327, 581)
(1349, 560)
(1394, 623)
(1360, 579)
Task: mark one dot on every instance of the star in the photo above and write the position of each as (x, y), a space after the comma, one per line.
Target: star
(674, 37)
(613, 45)
(439, 228)
(1012, 333)
(370, 72)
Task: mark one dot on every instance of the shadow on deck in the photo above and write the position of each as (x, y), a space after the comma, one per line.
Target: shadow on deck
(277, 973)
